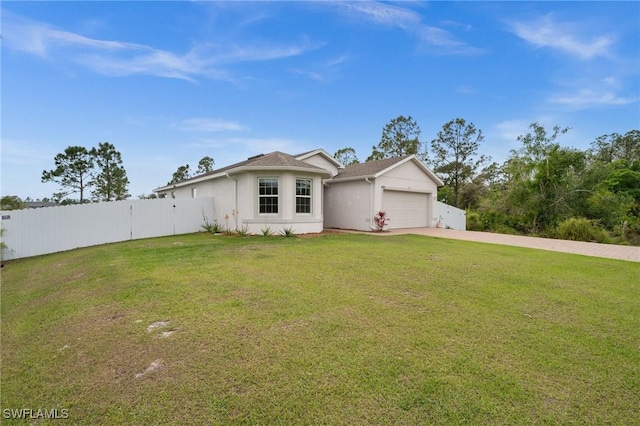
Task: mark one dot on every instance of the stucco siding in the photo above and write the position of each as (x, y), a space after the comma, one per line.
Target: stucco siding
(409, 177)
(347, 205)
(320, 161)
(236, 202)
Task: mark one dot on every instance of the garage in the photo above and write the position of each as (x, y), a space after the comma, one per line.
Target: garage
(406, 209)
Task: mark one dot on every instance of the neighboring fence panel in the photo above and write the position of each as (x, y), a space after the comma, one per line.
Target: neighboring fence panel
(451, 217)
(52, 229)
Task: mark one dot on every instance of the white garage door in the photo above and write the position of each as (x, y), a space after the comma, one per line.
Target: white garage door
(405, 209)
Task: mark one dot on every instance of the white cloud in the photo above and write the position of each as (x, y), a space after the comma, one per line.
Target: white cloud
(466, 90)
(118, 58)
(266, 145)
(590, 92)
(563, 36)
(382, 14)
(20, 152)
(325, 71)
(407, 20)
(41, 39)
(313, 75)
(246, 147)
(510, 130)
(209, 125)
(589, 98)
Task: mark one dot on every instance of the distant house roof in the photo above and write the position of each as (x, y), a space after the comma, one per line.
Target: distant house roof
(272, 161)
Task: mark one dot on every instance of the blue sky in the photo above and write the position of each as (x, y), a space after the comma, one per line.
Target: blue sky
(170, 82)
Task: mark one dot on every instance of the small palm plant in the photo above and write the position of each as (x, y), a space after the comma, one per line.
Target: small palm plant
(243, 232)
(288, 232)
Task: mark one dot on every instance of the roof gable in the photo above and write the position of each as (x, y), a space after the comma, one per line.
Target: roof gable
(322, 153)
(377, 168)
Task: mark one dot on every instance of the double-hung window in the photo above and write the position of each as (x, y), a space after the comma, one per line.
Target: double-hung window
(303, 195)
(268, 195)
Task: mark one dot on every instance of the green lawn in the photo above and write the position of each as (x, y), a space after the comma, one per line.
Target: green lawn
(338, 329)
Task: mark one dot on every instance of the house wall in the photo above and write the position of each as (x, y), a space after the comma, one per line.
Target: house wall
(222, 189)
(320, 161)
(347, 205)
(352, 204)
(237, 204)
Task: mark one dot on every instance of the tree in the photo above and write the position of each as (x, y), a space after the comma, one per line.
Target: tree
(401, 136)
(73, 170)
(183, 173)
(455, 154)
(609, 148)
(205, 165)
(545, 179)
(628, 146)
(346, 156)
(111, 180)
(12, 202)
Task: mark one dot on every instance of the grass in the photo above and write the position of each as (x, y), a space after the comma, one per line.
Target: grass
(339, 329)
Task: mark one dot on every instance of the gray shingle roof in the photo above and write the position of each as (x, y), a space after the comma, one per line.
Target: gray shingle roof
(271, 160)
(369, 168)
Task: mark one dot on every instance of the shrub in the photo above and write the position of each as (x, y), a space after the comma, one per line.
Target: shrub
(581, 229)
(474, 222)
(267, 231)
(380, 220)
(3, 246)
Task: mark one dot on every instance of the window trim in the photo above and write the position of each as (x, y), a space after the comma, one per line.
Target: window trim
(277, 196)
(309, 197)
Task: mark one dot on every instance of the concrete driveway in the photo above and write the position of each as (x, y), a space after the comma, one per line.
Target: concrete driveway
(610, 251)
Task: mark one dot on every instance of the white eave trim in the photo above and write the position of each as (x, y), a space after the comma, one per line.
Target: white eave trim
(189, 182)
(317, 171)
(237, 170)
(350, 179)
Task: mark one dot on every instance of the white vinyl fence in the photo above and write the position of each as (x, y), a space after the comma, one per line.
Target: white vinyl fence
(33, 232)
(451, 217)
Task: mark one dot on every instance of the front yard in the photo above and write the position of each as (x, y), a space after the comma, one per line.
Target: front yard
(338, 329)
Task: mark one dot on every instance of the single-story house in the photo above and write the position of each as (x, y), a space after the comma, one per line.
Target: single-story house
(312, 191)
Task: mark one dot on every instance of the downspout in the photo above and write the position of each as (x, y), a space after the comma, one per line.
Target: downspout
(235, 198)
(370, 203)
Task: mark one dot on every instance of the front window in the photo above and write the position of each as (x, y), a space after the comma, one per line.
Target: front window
(268, 195)
(303, 195)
